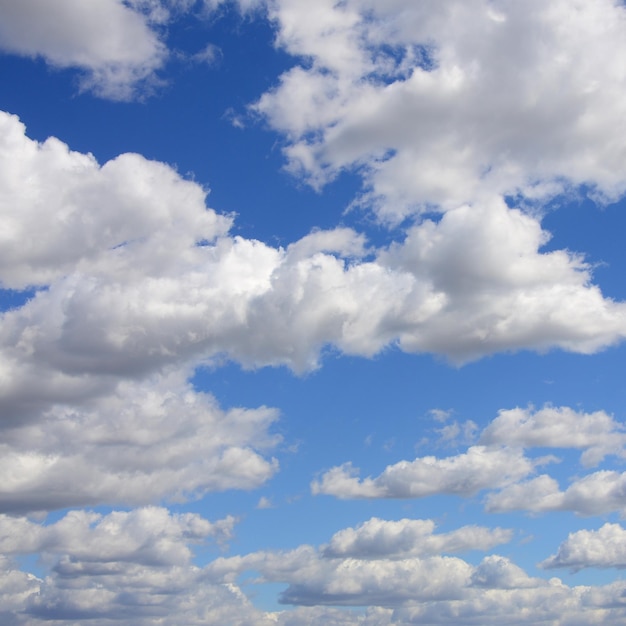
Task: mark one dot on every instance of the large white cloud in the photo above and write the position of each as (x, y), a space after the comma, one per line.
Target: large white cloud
(138, 274)
(452, 102)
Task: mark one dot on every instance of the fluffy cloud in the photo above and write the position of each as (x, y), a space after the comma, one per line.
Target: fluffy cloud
(114, 44)
(605, 547)
(143, 442)
(148, 536)
(431, 590)
(136, 566)
(378, 538)
(595, 494)
(138, 274)
(423, 98)
(598, 434)
(464, 475)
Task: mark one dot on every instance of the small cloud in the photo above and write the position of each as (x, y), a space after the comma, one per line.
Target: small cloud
(264, 503)
(440, 415)
(210, 54)
(236, 119)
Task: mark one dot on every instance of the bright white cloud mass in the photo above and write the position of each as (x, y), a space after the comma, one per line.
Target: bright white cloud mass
(235, 293)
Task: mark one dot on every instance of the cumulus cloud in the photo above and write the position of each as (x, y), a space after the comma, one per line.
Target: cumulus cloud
(414, 592)
(136, 274)
(404, 538)
(464, 475)
(146, 536)
(423, 98)
(605, 547)
(137, 566)
(143, 442)
(598, 434)
(594, 494)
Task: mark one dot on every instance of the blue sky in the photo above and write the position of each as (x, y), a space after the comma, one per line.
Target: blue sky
(312, 313)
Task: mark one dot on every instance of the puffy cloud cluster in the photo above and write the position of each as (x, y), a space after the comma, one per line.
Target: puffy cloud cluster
(137, 281)
(445, 103)
(431, 589)
(125, 566)
(501, 466)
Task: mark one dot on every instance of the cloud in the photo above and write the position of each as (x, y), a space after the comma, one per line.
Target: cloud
(605, 547)
(114, 45)
(143, 442)
(421, 98)
(429, 590)
(598, 434)
(137, 282)
(379, 538)
(137, 565)
(464, 475)
(594, 494)
(150, 536)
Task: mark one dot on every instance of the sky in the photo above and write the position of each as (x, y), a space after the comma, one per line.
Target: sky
(312, 313)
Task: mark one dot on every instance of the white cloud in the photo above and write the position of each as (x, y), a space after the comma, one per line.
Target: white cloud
(136, 566)
(138, 280)
(431, 590)
(594, 494)
(404, 538)
(453, 102)
(113, 44)
(147, 536)
(143, 442)
(605, 547)
(464, 475)
(598, 434)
